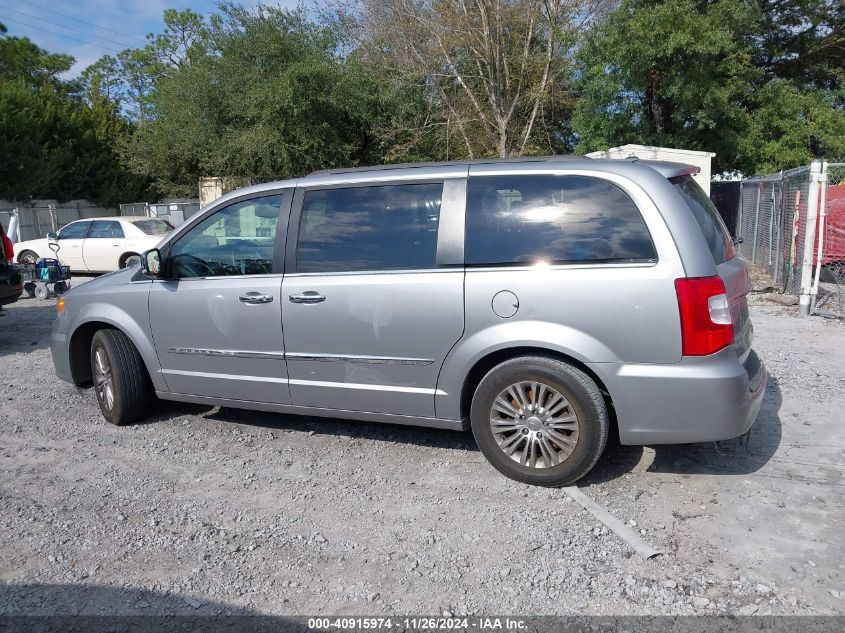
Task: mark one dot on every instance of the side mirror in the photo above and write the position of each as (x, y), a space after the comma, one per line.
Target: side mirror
(151, 262)
(52, 236)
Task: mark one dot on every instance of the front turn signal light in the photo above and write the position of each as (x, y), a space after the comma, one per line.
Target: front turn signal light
(60, 306)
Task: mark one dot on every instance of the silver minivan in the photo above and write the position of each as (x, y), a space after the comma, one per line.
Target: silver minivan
(544, 303)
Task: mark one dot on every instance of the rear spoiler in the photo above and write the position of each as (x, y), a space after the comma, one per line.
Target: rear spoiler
(667, 169)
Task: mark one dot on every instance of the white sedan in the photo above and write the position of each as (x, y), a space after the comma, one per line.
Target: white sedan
(98, 245)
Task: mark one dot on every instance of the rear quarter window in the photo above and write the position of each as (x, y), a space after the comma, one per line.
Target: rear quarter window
(524, 219)
(707, 215)
(154, 227)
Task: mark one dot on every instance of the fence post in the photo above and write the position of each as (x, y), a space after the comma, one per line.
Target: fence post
(37, 220)
(777, 207)
(756, 224)
(816, 177)
(14, 232)
(54, 223)
(822, 215)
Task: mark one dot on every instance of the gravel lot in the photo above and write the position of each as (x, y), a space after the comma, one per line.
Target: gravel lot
(205, 510)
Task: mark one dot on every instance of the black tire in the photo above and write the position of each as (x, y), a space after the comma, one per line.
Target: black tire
(128, 259)
(586, 403)
(29, 288)
(27, 257)
(60, 287)
(132, 392)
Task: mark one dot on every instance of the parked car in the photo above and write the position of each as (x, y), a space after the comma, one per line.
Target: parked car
(544, 303)
(11, 284)
(98, 245)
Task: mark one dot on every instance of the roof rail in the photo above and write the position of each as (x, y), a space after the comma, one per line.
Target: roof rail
(451, 163)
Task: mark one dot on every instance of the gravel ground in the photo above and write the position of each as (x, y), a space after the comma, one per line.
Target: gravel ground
(205, 510)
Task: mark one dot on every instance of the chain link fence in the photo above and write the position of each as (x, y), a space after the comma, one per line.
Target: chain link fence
(772, 225)
(174, 211)
(37, 218)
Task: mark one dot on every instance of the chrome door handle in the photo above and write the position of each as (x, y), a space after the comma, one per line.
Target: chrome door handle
(255, 297)
(307, 297)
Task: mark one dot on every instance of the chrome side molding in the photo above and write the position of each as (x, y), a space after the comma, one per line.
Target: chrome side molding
(330, 358)
(367, 360)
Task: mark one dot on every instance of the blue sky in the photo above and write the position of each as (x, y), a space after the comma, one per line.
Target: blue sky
(98, 27)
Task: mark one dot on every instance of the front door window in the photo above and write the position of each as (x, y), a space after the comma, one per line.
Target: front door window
(237, 240)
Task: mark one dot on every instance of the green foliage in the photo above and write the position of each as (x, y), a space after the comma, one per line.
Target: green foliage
(54, 144)
(20, 58)
(702, 74)
(265, 93)
(791, 127)
(265, 97)
(803, 40)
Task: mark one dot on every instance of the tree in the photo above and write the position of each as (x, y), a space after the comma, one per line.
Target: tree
(688, 73)
(803, 41)
(267, 96)
(129, 79)
(20, 58)
(52, 143)
(790, 127)
(494, 71)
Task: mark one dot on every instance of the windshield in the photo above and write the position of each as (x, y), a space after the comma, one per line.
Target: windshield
(154, 226)
(707, 216)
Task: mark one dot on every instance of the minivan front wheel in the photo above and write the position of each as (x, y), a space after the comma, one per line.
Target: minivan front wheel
(120, 378)
(539, 420)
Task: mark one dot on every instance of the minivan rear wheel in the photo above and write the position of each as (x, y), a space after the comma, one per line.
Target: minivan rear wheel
(121, 382)
(539, 420)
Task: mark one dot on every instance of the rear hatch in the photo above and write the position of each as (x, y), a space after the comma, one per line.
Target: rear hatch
(731, 268)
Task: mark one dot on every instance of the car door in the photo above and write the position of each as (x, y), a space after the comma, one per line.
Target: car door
(103, 246)
(370, 313)
(216, 317)
(70, 240)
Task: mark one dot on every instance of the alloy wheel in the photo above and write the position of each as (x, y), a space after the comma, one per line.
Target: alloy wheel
(103, 378)
(534, 424)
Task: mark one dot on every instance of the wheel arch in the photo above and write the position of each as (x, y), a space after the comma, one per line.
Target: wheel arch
(79, 348)
(484, 364)
(121, 262)
(20, 254)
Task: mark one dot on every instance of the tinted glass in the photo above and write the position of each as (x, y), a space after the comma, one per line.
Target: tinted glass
(390, 227)
(153, 226)
(76, 230)
(570, 219)
(707, 216)
(105, 228)
(237, 240)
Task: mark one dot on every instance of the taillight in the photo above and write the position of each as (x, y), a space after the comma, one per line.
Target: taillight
(8, 248)
(706, 324)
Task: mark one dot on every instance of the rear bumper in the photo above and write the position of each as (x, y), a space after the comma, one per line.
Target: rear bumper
(701, 399)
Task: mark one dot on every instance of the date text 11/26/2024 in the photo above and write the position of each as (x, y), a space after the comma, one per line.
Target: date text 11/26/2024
(417, 623)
